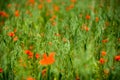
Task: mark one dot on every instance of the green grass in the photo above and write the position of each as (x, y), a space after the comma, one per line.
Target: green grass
(77, 51)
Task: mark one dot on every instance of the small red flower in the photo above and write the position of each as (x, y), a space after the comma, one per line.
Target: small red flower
(102, 60)
(37, 55)
(86, 28)
(17, 13)
(49, 1)
(87, 17)
(15, 38)
(11, 34)
(1, 70)
(30, 78)
(73, 1)
(97, 19)
(32, 2)
(56, 8)
(40, 6)
(29, 53)
(47, 60)
(105, 41)
(103, 53)
(4, 14)
(117, 58)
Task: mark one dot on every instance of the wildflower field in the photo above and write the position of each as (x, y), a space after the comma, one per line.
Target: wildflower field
(59, 39)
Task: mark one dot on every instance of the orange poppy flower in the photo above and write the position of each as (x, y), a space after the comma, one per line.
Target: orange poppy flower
(103, 53)
(105, 40)
(4, 14)
(73, 1)
(96, 19)
(87, 17)
(1, 70)
(47, 60)
(29, 53)
(9, 5)
(15, 38)
(85, 27)
(49, 1)
(56, 8)
(41, 0)
(117, 58)
(40, 6)
(53, 18)
(102, 60)
(17, 13)
(11, 34)
(37, 56)
(30, 78)
(70, 7)
(31, 2)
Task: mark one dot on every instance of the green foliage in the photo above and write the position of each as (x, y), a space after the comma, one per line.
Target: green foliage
(60, 26)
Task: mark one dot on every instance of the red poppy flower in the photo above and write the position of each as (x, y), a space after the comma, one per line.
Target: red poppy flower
(15, 38)
(3, 14)
(117, 58)
(73, 1)
(105, 40)
(29, 53)
(56, 8)
(47, 60)
(49, 1)
(103, 53)
(17, 13)
(40, 6)
(96, 19)
(87, 17)
(86, 28)
(1, 70)
(31, 2)
(70, 7)
(11, 34)
(30, 78)
(37, 55)
(53, 18)
(102, 60)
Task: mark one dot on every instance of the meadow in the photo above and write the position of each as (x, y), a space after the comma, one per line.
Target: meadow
(59, 40)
